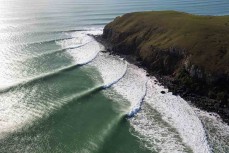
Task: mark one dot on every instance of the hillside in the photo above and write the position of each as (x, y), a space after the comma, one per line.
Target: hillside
(193, 50)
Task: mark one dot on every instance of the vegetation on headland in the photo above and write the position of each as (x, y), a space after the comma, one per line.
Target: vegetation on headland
(192, 49)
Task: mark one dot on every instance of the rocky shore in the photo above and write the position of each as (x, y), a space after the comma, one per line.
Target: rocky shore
(188, 54)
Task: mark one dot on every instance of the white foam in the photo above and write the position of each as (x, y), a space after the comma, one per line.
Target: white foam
(156, 134)
(177, 112)
(79, 38)
(107, 85)
(132, 87)
(168, 123)
(79, 56)
(15, 113)
(111, 68)
(217, 131)
(135, 109)
(84, 54)
(174, 110)
(94, 30)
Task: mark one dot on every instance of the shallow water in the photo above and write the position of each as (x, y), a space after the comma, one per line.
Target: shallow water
(60, 93)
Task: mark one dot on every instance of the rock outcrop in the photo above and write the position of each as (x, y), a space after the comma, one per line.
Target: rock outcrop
(193, 50)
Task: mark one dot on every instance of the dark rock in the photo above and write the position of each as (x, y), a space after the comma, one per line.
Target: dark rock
(163, 92)
(172, 68)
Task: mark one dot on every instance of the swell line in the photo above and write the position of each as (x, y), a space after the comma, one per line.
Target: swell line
(59, 50)
(45, 75)
(43, 42)
(53, 40)
(66, 102)
(101, 87)
(71, 30)
(41, 113)
(93, 90)
(85, 93)
(49, 41)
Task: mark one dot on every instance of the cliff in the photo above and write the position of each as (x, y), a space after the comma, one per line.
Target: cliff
(191, 49)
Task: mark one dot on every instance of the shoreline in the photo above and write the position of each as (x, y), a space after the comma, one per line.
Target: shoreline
(201, 102)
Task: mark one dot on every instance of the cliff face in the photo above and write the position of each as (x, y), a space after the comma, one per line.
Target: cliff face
(190, 48)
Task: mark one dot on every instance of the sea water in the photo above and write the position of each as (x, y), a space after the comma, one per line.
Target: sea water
(60, 93)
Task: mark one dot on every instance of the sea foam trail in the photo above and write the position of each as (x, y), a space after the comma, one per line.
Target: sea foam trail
(80, 57)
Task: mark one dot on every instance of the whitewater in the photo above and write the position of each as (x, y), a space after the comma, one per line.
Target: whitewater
(163, 122)
(61, 91)
(182, 129)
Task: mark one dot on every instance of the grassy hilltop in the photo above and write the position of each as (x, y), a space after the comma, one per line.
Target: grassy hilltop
(193, 49)
(204, 38)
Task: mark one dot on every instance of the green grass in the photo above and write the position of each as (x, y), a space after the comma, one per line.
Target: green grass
(204, 38)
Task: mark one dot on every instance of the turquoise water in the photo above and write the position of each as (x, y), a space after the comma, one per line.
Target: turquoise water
(60, 93)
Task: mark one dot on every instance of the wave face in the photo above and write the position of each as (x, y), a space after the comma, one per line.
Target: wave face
(14, 116)
(84, 53)
(59, 93)
(166, 123)
(162, 122)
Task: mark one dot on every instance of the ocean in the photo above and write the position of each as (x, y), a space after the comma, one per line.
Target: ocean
(60, 93)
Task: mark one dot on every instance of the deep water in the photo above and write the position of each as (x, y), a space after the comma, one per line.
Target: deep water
(60, 93)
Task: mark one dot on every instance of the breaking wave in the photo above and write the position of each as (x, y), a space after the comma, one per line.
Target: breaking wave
(137, 108)
(80, 57)
(23, 115)
(166, 123)
(163, 122)
(179, 116)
